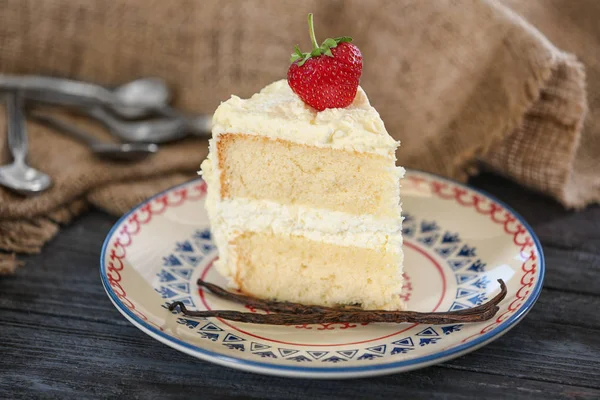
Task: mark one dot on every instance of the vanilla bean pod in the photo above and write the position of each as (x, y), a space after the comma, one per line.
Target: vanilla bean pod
(476, 314)
(273, 306)
(292, 308)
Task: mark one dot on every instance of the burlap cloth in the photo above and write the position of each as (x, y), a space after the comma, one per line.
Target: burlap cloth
(455, 81)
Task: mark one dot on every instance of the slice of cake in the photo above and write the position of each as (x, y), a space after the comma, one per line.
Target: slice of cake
(304, 205)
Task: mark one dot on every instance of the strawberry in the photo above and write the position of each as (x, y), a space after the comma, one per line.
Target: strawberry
(328, 76)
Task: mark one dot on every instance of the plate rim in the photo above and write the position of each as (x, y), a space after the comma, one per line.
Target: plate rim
(321, 372)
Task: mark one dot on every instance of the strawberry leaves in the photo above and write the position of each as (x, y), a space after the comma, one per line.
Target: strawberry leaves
(323, 49)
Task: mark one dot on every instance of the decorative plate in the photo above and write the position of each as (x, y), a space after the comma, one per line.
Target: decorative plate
(458, 242)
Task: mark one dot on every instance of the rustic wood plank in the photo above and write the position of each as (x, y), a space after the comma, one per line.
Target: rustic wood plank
(566, 308)
(572, 270)
(121, 365)
(543, 351)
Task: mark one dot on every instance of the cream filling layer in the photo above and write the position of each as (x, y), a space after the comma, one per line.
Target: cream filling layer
(240, 215)
(233, 217)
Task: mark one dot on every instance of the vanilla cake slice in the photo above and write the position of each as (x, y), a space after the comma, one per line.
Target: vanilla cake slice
(304, 206)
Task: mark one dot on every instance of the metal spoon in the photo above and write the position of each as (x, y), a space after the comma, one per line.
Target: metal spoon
(133, 99)
(18, 176)
(113, 151)
(157, 130)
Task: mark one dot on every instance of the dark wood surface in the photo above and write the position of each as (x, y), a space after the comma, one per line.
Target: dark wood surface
(60, 337)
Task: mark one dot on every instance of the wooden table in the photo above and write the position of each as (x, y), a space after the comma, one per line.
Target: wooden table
(60, 337)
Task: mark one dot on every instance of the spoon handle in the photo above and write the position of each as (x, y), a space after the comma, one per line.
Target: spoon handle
(65, 127)
(17, 131)
(62, 90)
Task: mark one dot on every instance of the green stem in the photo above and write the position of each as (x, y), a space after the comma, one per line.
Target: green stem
(311, 32)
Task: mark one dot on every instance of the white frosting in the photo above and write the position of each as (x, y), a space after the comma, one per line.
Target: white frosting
(277, 112)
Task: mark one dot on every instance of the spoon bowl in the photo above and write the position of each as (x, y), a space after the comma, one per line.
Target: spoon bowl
(23, 179)
(138, 97)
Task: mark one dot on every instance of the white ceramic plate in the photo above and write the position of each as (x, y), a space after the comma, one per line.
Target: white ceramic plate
(458, 242)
